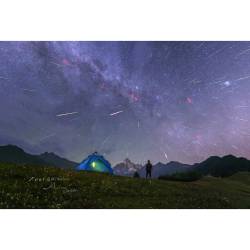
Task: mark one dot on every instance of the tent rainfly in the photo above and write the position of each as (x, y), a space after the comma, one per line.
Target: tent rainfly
(95, 163)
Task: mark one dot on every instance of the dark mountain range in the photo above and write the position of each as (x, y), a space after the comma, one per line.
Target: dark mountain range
(14, 154)
(169, 168)
(51, 158)
(126, 168)
(214, 166)
(222, 166)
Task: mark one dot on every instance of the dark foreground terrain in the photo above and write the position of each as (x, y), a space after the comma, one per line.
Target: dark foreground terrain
(46, 187)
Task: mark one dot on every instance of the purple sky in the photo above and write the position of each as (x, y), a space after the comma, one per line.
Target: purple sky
(162, 101)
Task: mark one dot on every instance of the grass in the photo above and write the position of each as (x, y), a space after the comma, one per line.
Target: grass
(46, 187)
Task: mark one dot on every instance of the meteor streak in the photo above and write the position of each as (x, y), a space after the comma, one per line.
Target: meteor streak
(166, 156)
(65, 114)
(116, 113)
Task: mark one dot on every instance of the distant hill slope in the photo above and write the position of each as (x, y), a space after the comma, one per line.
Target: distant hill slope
(169, 168)
(222, 166)
(218, 167)
(14, 154)
(51, 158)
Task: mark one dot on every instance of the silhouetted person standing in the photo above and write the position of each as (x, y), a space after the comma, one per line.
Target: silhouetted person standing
(148, 169)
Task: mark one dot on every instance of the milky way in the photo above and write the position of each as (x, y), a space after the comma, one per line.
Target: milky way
(163, 101)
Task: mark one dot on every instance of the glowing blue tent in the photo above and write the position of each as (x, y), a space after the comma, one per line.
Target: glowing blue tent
(96, 163)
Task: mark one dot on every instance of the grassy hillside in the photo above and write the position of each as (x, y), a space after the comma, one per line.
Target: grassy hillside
(41, 187)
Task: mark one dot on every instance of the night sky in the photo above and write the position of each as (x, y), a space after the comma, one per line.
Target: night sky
(163, 101)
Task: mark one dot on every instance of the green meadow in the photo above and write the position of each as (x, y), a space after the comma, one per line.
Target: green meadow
(47, 187)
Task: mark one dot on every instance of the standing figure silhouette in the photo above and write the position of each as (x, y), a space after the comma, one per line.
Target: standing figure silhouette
(148, 169)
